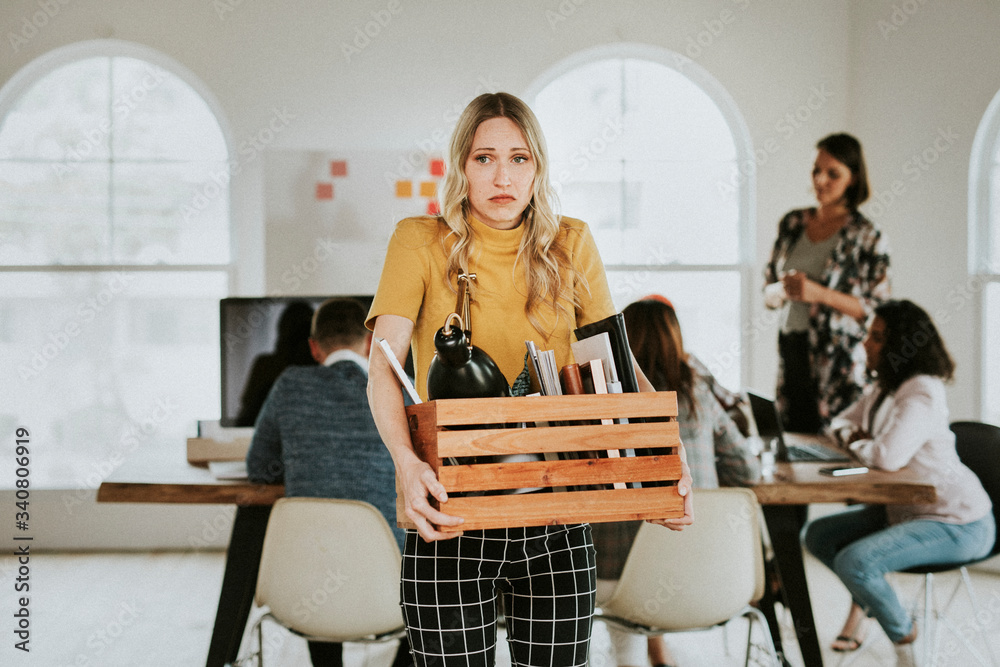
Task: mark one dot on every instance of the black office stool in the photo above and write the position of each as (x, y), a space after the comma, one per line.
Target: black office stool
(978, 447)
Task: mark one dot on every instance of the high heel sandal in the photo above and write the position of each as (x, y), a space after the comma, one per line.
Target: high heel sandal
(846, 644)
(849, 643)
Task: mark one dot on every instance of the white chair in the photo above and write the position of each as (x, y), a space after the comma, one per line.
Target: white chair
(696, 579)
(329, 571)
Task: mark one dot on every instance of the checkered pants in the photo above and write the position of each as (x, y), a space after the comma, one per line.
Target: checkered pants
(545, 577)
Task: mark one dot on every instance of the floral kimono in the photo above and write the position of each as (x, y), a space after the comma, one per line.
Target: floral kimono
(859, 266)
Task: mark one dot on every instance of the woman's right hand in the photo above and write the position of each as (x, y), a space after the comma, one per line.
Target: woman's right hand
(418, 483)
(859, 434)
(416, 480)
(775, 295)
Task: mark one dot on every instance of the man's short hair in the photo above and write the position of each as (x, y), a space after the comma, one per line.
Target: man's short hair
(339, 322)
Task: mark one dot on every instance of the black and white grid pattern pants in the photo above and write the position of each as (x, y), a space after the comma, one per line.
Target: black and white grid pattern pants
(546, 577)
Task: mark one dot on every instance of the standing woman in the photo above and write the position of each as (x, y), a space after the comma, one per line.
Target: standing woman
(829, 268)
(902, 421)
(538, 277)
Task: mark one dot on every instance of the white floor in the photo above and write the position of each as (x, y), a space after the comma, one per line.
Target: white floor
(151, 609)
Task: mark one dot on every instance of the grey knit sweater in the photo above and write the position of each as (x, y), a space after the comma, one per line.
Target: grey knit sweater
(316, 433)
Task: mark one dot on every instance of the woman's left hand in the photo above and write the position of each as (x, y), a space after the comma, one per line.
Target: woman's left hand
(684, 483)
(799, 287)
(684, 489)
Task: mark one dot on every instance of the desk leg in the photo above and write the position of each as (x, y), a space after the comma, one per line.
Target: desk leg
(238, 583)
(784, 523)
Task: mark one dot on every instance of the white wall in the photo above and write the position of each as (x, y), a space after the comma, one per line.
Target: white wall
(402, 90)
(931, 78)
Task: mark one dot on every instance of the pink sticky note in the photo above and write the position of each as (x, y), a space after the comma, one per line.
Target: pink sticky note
(437, 167)
(324, 191)
(338, 167)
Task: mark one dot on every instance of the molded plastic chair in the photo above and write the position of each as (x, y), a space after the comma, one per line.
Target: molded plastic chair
(978, 447)
(696, 579)
(329, 571)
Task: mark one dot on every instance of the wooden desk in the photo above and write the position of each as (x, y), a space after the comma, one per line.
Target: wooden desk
(158, 478)
(166, 477)
(785, 501)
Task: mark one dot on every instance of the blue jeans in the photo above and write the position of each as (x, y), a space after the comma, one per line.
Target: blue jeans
(861, 547)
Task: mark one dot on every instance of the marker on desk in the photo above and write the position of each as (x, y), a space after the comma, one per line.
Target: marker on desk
(840, 471)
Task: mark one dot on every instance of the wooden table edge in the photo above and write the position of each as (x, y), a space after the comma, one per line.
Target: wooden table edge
(879, 493)
(189, 494)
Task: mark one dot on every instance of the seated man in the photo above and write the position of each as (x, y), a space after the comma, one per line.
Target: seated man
(316, 432)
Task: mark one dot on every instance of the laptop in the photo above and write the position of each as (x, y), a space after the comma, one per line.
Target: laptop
(792, 447)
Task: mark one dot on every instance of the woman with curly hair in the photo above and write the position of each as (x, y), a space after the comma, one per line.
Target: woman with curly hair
(901, 421)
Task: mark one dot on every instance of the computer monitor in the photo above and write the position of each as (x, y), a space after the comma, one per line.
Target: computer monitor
(259, 338)
(767, 419)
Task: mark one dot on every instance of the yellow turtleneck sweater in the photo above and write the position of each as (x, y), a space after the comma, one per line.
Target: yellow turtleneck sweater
(413, 286)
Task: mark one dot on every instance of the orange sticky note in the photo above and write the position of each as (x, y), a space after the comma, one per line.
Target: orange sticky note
(324, 191)
(338, 167)
(404, 189)
(428, 189)
(437, 167)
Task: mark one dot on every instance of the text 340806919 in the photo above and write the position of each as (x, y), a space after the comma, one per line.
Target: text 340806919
(22, 546)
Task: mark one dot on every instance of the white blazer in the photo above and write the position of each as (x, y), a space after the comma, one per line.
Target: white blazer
(910, 429)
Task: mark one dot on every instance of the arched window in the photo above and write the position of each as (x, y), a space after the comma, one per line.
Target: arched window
(982, 289)
(114, 254)
(652, 153)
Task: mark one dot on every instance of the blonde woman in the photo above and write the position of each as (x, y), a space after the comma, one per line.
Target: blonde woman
(538, 277)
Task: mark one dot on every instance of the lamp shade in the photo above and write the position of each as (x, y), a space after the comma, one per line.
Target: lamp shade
(460, 369)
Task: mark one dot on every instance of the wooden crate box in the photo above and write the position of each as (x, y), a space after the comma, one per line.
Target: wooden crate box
(459, 428)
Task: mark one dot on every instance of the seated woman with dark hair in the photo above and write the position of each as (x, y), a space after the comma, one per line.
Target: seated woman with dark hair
(901, 421)
(735, 403)
(716, 451)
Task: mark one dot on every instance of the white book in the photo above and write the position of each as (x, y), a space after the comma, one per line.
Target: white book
(551, 372)
(543, 363)
(228, 469)
(213, 430)
(594, 370)
(597, 347)
(535, 369)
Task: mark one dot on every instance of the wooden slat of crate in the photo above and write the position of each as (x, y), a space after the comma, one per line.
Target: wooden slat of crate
(477, 411)
(487, 442)
(545, 509)
(531, 474)
(477, 435)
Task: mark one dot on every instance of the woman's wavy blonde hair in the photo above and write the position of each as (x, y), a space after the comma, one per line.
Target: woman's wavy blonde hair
(541, 254)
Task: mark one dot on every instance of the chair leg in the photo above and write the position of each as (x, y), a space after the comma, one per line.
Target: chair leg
(934, 619)
(260, 642)
(256, 657)
(928, 610)
(749, 638)
(967, 580)
(752, 613)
